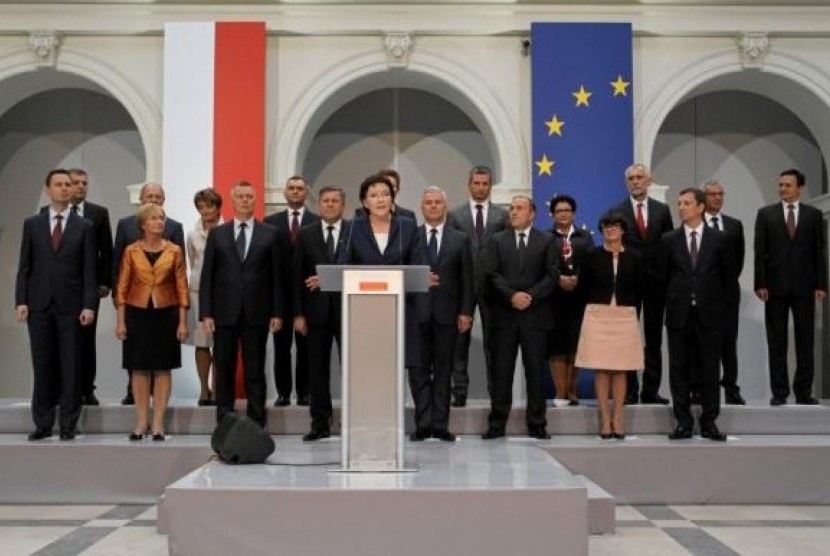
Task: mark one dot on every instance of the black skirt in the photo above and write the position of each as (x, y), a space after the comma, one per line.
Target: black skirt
(151, 343)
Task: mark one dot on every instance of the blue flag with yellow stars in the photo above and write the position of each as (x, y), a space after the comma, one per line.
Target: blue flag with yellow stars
(582, 116)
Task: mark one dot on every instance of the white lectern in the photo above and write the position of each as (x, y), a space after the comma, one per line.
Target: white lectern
(372, 361)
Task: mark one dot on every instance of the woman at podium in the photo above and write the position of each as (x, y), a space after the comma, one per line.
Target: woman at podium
(382, 238)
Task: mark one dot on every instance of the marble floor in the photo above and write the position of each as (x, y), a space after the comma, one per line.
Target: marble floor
(104, 530)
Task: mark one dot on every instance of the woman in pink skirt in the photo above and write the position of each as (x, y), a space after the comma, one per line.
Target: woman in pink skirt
(610, 340)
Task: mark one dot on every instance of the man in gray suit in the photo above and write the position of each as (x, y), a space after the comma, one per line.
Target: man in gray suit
(479, 219)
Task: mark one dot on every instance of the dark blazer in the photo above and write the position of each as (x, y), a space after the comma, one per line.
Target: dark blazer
(709, 282)
(461, 219)
(99, 217)
(536, 273)
(282, 222)
(787, 266)
(597, 277)
(317, 307)
(404, 246)
(46, 276)
(127, 232)
(230, 287)
(454, 294)
(733, 229)
(659, 223)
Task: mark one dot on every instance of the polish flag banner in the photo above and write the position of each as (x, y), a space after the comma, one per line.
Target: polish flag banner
(214, 115)
(214, 108)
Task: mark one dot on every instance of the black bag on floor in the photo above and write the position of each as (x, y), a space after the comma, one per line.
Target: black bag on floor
(238, 439)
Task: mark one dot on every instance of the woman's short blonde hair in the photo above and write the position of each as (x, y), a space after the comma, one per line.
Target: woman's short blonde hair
(145, 212)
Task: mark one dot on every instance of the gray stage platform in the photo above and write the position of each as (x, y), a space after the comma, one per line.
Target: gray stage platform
(184, 417)
(473, 497)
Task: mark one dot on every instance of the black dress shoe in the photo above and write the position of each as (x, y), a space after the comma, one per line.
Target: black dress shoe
(493, 433)
(806, 401)
(459, 401)
(680, 433)
(159, 437)
(712, 433)
(316, 435)
(128, 400)
(420, 434)
(734, 399)
(694, 398)
(618, 435)
(654, 399)
(606, 435)
(776, 401)
(282, 401)
(573, 403)
(538, 432)
(135, 437)
(39, 434)
(90, 399)
(446, 436)
(205, 402)
(67, 435)
(631, 399)
(303, 400)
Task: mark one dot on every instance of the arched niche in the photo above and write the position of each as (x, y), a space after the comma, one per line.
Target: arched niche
(338, 85)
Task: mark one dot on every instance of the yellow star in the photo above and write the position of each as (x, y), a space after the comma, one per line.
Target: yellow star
(620, 86)
(582, 96)
(545, 165)
(554, 126)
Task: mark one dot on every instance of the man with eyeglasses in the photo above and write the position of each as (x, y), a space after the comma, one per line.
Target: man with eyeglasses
(647, 221)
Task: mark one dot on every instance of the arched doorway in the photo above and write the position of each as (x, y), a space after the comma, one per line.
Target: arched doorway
(429, 140)
(52, 119)
(744, 129)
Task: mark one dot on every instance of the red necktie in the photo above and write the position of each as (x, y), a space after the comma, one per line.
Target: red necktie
(791, 221)
(641, 222)
(57, 232)
(295, 225)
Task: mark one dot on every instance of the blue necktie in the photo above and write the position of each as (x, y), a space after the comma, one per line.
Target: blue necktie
(433, 247)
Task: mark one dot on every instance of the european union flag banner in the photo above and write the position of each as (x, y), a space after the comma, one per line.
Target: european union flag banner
(582, 116)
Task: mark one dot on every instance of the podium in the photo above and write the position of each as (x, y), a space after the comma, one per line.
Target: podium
(372, 361)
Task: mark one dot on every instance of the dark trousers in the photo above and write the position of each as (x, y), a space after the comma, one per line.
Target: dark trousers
(694, 357)
(226, 340)
(729, 349)
(89, 360)
(776, 314)
(534, 359)
(652, 314)
(55, 340)
(320, 339)
(460, 375)
(282, 362)
(430, 382)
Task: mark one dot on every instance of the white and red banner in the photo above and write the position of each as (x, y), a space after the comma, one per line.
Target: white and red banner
(214, 110)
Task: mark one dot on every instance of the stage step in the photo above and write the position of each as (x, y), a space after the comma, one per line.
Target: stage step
(602, 507)
(747, 469)
(185, 418)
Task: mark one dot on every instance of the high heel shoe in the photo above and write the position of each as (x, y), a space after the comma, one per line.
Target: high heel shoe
(158, 437)
(134, 436)
(606, 435)
(618, 435)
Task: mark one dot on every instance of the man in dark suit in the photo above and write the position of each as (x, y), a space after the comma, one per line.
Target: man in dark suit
(733, 229)
(317, 314)
(289, 222)
(99, 217)
(394, 177)
(790, 275)
(444, 312)
(56, 294)
(522, 270)
(127, 232)
(479, 218)
(647, 221)
(241, 300)
(696, 266)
